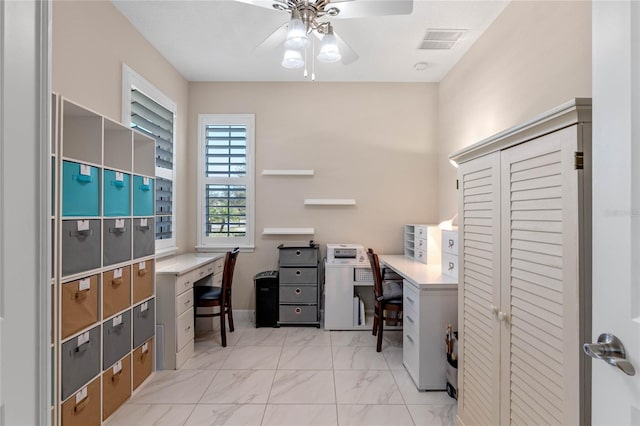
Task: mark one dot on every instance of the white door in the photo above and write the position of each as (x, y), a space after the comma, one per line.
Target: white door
(616, 205)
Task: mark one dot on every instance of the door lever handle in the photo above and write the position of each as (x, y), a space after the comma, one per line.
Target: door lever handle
(611, 350)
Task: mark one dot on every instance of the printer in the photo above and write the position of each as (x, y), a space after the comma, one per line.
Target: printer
(346, 254)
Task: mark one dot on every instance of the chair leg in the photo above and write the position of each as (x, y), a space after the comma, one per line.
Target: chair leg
(375, 321)
(230, 317)
(380, 323)
(223, 328)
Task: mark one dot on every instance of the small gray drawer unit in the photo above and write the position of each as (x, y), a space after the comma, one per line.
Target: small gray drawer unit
(299, 290)
(116, 338)
(80, 360)
(143, 322)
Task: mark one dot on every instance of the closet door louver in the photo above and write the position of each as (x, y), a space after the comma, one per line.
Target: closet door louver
(539, 250)
(479, 291)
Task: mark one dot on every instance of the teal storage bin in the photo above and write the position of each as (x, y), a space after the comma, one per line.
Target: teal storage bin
(80, 191)
(117, 193)
(142, 196)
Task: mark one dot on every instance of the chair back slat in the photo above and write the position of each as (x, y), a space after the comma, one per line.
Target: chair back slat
(227, 272)
(375, 269)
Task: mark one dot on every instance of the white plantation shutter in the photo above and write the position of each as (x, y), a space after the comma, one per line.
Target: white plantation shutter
(479, 290)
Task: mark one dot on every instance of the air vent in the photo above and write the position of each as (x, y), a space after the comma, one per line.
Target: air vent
(441, 39)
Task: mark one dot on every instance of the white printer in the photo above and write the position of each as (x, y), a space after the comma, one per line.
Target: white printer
(346, 254)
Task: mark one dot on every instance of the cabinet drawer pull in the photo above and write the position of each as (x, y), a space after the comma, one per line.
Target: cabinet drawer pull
(188, 328)
(298, 311)
(410, 299)
(187, 283)
(451, 266)
(298, 252)
(410, 338)
(187, 302)
(82, 293)
(410, 319)
(298, 272)
(142, 272)
(116, 281)
(451, 243)
(115, 375)
(298, 291)
(81, 405)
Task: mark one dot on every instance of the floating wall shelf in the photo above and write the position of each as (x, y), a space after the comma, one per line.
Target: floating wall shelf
(288, 231)
(329, 202)
(287, 172)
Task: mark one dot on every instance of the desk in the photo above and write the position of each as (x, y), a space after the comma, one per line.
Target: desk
(430, 302)
(175, 278)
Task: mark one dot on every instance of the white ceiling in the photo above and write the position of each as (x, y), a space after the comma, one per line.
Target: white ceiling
(216, 40)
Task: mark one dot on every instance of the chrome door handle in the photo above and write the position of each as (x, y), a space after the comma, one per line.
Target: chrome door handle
(611, 350)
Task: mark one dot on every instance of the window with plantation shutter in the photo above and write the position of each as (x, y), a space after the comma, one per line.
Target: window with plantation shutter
(153, 113)
(225, 180)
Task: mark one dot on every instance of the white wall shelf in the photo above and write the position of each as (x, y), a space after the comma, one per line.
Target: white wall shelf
(288, 231)
(329, 202)
(287, 172)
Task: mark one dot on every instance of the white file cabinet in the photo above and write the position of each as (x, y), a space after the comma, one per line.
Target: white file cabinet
(175, 278)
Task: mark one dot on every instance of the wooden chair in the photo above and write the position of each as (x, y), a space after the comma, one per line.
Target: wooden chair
(387, 300)
(210, 296)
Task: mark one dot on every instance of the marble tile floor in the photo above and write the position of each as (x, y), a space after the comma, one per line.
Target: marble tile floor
(288, 376)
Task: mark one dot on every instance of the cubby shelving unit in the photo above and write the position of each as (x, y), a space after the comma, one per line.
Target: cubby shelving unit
(103, 261)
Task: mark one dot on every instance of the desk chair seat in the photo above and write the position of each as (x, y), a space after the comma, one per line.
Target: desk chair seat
(209, 296)
(388, 300)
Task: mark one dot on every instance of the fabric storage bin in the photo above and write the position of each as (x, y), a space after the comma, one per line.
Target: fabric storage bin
(142, 280)
(117, 241)
(117, 193)
(298, 275)
(142, 196)
(116, 338)
(144, 241)
(116, 386)
(299, 313)
(81, 242)
(298, 256)
(83, 408)
(80, 189)
(116, 290)
(79, 305)
(143, 322)
(298, 294)
(142, 363)
(80, 361)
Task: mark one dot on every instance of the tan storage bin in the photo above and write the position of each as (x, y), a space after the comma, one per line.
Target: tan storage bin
(142, 280)
(79, 305)
(81, 410)
(142, 362)
(116, 291)
(116, 386)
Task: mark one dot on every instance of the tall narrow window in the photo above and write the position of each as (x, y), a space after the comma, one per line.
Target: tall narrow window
(225, 180)
(153, 113)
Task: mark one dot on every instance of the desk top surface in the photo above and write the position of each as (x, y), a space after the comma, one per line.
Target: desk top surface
(186, 262)
(418, 273)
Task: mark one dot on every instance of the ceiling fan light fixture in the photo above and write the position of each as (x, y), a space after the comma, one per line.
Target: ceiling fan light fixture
(292, 59)
(297, 34)
(329, 51)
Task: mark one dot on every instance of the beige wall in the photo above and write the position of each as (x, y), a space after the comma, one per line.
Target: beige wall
(372, 142)
(535, 56)
(91, 41)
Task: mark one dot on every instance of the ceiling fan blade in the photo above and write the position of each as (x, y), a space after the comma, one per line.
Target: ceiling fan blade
(348, 54)
(268, 4)
(363, 8)
(274, 40)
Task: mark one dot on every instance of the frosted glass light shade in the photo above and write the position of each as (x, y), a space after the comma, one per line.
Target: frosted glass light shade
(297, 35)
(292, 59)
(329, 51)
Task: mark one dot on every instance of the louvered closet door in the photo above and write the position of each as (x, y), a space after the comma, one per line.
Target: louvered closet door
(479, 226)
(540, 345)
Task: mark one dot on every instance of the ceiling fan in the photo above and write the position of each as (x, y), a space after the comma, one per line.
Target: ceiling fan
(305, 21)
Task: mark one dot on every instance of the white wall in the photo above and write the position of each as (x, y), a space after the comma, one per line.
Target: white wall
(536, 55)
(372, 142)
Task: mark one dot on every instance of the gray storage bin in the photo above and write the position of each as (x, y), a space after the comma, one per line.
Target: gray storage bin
(116, 338)
(143, 238)
(80, 363)
(298, 294)
(298, 256)
(80, 247)
(298, 275)
(299, 313)
(117, 241)
(143, 322)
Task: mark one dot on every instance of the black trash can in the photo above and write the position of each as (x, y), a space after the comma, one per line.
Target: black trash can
(266, 285)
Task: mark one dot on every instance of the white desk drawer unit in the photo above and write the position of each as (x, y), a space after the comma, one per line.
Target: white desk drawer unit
(174, 287)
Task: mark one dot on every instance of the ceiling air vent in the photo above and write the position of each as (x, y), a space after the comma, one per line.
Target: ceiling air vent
(441, 39)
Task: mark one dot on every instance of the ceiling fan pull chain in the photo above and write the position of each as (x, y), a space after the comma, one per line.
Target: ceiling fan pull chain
(313, 59)
(305, 63)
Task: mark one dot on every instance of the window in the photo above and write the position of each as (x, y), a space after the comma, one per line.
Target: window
(225, 181)
(154, 114)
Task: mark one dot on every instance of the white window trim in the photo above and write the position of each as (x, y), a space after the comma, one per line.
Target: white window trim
(131, 79)
(245, 243)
